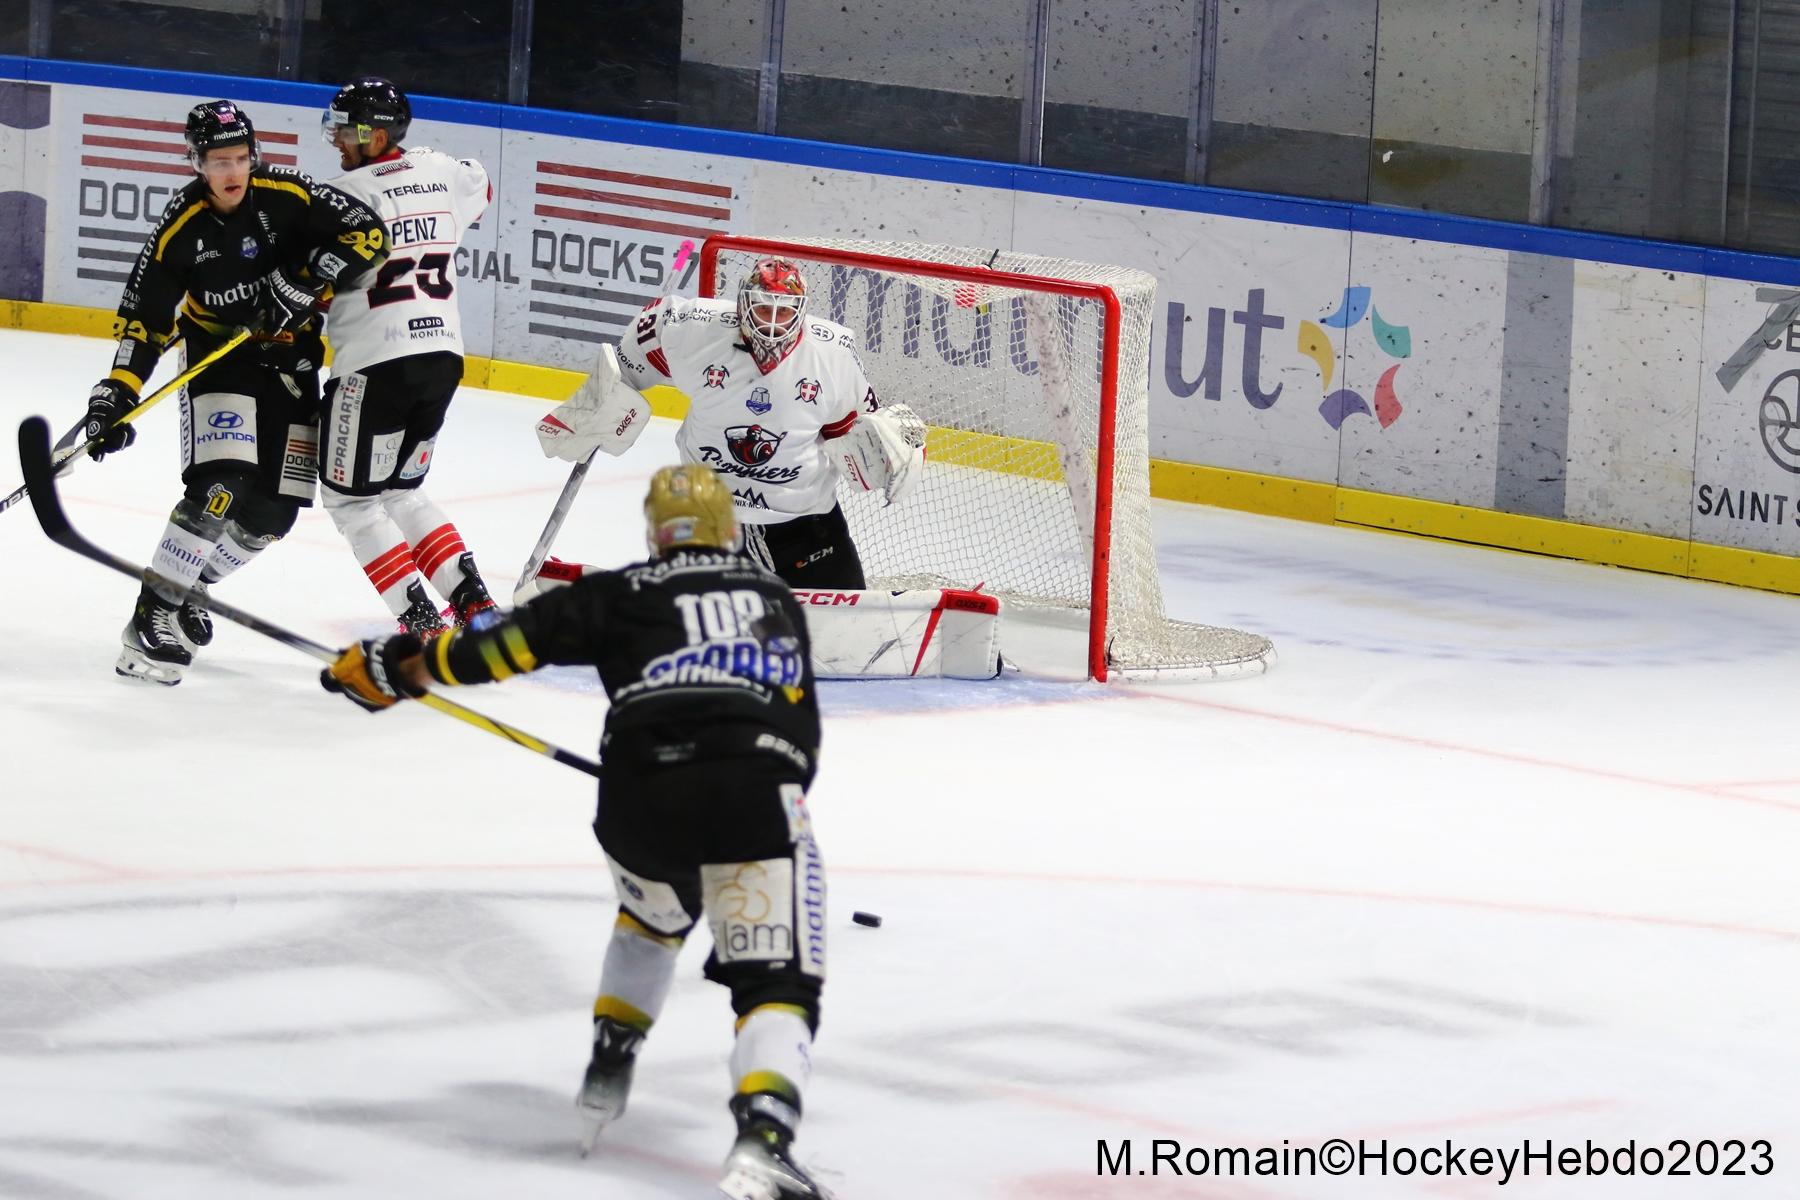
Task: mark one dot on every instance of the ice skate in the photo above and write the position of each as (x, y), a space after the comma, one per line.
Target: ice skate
(193, 624)
(607, 1084)
(470, 599)
(761, 1164)
(153, 650)
(421, 615)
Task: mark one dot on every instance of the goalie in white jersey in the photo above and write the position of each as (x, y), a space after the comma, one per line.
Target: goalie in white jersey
(397, 359)
(778, 406)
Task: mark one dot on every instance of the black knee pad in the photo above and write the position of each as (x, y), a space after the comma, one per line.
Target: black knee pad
(263, 519)
(755, 984)
(752, 989)
(217, 490)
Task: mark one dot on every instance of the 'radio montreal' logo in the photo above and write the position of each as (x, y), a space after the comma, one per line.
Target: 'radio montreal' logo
(1395, 341)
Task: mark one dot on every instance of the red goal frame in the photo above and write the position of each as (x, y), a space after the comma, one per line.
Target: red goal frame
(1100, 573)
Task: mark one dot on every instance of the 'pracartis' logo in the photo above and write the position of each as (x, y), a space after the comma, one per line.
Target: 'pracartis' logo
(1395, 341)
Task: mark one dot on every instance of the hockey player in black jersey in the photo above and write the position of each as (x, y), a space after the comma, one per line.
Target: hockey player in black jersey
(709, 746)
(245, 244)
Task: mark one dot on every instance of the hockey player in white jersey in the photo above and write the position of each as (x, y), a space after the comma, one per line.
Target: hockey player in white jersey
(397, 359)
(779, 407)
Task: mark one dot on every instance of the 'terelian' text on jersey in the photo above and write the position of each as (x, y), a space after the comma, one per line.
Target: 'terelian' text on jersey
(428, 200)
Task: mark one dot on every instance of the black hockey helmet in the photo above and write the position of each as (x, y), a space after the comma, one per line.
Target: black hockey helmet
(217, 124)
(366, 104)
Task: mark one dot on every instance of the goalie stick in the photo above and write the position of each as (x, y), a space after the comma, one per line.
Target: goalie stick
(558, 515)
(34, 456)
(69, 449)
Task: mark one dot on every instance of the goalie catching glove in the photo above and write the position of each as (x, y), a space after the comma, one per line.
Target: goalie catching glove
(605, 413)
(884, 451)
(370, 674)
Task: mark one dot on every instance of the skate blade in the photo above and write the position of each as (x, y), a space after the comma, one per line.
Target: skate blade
(139, 667)
(591, 1128)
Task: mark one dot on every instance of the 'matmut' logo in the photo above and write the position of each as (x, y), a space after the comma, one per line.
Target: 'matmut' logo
(1255, 321)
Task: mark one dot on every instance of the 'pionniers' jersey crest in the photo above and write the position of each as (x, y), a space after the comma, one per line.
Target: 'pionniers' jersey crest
(427, 200)
(765, 434)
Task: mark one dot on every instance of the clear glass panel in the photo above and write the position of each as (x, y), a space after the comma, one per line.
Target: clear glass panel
(15, 27)
(687, 64)
(1454, 92)
(1119, 90)
(455, 48)
(935, 76)
(1291, 97)
(1762, 201)
(239, 36)
(1641, 130)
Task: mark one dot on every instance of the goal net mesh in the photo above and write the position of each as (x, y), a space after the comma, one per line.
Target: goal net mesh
(1010, 376)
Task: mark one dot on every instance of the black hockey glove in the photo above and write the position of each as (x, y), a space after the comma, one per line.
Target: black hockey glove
(284, 303)
(368, 674)
(109, 401)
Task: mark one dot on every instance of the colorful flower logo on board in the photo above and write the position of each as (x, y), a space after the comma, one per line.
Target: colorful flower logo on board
(1395, 341)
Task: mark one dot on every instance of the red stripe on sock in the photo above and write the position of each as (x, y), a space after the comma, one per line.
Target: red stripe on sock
(388, 568)
(437, 548)
(393, 577)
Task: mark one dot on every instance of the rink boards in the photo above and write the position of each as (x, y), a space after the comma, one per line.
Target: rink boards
(1594, 397)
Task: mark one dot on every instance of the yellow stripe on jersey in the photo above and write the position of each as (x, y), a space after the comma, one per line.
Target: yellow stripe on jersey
(282, 185)
(518, 650)
(496, 662)
(440, 658)
(187, 213)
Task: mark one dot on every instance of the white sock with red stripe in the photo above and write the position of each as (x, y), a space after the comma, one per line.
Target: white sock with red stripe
(436, 545)
(378, 545)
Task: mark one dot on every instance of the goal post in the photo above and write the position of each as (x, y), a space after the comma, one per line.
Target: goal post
(1033, 376)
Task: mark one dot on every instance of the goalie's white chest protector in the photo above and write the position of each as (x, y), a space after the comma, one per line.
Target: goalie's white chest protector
(766, 435)
(427, 200)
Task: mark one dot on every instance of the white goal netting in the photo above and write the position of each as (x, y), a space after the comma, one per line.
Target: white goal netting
(1006, 357)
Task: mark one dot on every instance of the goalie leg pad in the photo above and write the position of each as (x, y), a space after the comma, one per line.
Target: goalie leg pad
(948, 633)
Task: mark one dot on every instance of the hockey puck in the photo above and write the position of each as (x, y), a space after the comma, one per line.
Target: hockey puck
(869, 919)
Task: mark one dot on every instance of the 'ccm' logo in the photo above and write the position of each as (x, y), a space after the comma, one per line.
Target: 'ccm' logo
(828, 598)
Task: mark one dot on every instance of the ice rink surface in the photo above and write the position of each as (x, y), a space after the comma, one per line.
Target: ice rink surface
(1503, 849)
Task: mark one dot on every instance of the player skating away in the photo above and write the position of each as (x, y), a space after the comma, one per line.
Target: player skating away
(397, 358)
(710, 743)
(244, 245)
(778, 405)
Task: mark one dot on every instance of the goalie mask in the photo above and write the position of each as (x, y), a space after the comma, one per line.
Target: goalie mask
(771, 304)
(688, 506)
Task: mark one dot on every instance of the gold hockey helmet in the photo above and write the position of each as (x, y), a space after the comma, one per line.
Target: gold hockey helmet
(689, 506)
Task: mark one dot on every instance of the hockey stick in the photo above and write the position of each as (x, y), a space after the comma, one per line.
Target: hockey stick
(68, 449)
(34, 456)
(558, 515)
